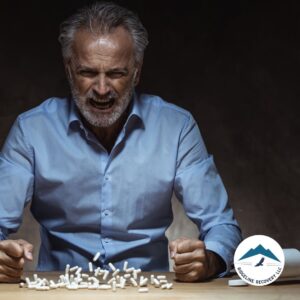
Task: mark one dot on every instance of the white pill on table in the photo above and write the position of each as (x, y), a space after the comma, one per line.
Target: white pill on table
(237, 282)
(143, 290)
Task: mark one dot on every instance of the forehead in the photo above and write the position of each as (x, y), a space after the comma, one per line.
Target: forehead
(115, 46)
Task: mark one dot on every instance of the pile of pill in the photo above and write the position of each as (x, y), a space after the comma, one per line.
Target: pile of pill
(99, 279)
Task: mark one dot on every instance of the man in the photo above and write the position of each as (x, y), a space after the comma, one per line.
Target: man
(101, 168)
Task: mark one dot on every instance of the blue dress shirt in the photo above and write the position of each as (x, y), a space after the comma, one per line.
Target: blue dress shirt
(119, 203)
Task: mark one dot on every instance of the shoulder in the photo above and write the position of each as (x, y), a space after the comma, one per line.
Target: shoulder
(47, 107)
(52, 108)
(155, 105)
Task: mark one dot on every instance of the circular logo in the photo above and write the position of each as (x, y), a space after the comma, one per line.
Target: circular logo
(259, 260)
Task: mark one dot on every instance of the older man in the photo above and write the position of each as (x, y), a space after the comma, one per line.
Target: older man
(100, 168)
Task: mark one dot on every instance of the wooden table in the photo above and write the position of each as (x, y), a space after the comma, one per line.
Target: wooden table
(214, 289)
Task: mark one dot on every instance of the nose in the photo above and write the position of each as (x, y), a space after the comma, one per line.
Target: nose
(101, 85)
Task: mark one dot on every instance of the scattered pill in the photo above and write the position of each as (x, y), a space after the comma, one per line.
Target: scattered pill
(73, 269)
(143, 290)
(91, 267)
(73, 279)
(113, 268)
(125, 266)
(134, 283)
(116, 272)
(96, 257)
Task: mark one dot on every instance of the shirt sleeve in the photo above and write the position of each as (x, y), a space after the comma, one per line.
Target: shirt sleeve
(199, 187)
(16, 179)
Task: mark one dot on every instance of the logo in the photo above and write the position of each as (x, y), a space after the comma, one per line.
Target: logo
(259, 260)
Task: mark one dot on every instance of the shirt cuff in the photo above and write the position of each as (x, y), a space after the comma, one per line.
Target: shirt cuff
(227, 256)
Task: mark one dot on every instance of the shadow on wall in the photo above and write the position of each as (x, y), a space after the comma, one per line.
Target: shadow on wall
(29, 230)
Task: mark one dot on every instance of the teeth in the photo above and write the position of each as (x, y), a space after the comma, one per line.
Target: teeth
(103, 105)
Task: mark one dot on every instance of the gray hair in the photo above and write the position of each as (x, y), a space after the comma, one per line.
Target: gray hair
(103, 17)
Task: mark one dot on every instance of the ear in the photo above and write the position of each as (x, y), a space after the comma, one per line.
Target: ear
(67, 65)
(137, 74)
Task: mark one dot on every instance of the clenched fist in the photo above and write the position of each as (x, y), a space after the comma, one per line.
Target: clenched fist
(12, 258)
(192, 262)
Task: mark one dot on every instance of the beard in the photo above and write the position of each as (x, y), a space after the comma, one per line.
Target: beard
(86, 103)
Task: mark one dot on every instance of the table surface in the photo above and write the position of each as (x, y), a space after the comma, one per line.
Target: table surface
(214, 289)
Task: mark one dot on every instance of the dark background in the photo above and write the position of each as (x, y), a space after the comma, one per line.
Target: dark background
(233, 64)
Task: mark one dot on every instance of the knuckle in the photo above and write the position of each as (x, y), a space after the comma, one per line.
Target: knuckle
(199, 244)
(198, 265)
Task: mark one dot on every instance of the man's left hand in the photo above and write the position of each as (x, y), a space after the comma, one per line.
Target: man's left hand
(192, 262)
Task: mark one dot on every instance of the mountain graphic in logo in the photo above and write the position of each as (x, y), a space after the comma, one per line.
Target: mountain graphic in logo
(259, 250)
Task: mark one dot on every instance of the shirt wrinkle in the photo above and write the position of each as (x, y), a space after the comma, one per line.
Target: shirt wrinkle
(124, 198)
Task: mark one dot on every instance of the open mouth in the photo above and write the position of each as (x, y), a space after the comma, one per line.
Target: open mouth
(107, 104)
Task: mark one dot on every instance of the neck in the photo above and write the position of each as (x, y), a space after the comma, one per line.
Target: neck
(107, 135)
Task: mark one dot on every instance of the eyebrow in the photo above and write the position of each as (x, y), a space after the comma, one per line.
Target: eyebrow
(82, 67)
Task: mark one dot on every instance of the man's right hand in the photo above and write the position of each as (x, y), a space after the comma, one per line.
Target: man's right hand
(12, 258)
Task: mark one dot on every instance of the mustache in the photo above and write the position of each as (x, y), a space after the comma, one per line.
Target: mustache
(111, 95)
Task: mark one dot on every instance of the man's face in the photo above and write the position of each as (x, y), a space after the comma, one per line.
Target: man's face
(102, 75)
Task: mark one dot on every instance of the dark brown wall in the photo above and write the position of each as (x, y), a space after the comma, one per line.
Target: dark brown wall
(233, 64)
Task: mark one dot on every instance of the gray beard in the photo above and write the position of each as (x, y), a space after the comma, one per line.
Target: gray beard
(99, 120)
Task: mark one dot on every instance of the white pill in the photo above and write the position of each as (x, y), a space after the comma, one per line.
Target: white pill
(104, 287)
(163, 281)
(161, 277)
(67, 269)
(113, 268)
(42, 288)
(129, 270)
(156, 283)
(111, 280)
(114, 289)
(237, 282)
(134, 283)
(94, 280)
(144, 282)
(125, 266)
(170, 286)
(78, 271)
(91, 267)
(96, 257)
(116, 272)
(106, 273)
(152, 279)
(127, 275)
(73, 269)
(22, 284)
(143, 290)
(93, 287)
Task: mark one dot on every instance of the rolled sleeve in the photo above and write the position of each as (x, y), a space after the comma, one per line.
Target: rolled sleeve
(16, 177)
(199, 187)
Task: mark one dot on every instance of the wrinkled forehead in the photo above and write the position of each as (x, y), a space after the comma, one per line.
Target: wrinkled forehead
(117, 43)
